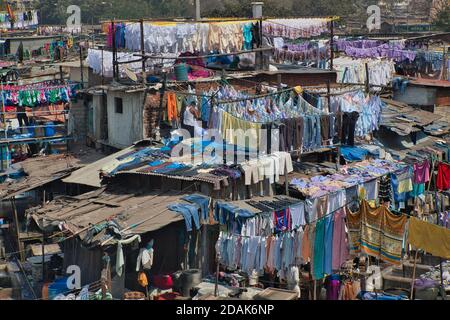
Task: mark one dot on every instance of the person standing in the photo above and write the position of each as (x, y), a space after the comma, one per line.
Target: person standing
(190, 117)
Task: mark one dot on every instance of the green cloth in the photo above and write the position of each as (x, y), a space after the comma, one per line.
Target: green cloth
(319, 249)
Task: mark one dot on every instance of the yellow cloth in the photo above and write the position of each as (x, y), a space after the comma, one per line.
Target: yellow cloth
(142, 279)
(229, 126)
(298, 89)
(405, 186)
(429, 237)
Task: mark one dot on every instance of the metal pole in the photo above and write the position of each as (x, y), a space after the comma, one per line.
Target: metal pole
(143, 52)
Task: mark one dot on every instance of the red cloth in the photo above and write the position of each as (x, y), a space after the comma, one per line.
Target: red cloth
(163, 282)
(443, 177)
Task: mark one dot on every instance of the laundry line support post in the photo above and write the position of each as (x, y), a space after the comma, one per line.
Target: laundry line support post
(367, 79)
(443, 293)
(161, 101)
(331, 45)
(81, 67)
(414, 274)
(114, 52)
(286, 179)
(61, 75)
(143, 51)
(260, 44)
(43, 251)
(17, 227)
(216, 285)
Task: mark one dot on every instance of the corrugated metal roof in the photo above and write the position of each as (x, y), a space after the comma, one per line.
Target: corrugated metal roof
(90, 174)
(404, 119)
(127, 208)
(431, 83)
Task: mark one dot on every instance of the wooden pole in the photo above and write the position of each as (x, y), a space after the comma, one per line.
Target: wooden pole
(81, 66)
(261, 54)
(43, 251)
(161, 100)
(4, 113)
(367, 79)
(113, 30)
(332, 45)
(414, 275)
(17, 227)
(315, 290)
(216, 286)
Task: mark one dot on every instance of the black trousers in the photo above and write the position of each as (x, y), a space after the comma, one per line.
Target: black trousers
(23, 120)
(349, 121)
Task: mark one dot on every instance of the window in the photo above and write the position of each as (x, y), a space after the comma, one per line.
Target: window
(118, 102)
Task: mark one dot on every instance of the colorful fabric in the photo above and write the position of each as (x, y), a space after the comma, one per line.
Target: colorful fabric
(319, 250)
(354, 231)
(382, 233)
(340, 251)
(443, 178)
(429, 237)
(328, 245)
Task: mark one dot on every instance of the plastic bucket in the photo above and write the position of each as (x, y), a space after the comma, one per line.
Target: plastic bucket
(181, 72)
(50, 129)
(5, 158)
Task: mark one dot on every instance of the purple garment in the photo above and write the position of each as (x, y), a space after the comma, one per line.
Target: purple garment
(340, 241)
(333, 289)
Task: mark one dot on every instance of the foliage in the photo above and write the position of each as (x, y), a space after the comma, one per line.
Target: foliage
(442, 20)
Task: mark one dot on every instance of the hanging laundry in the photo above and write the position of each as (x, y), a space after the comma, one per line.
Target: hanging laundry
(295, 28)
(382, 233)
(431, 238)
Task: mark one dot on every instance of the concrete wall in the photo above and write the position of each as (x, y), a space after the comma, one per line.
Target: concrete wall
(127, 127)
(417, 95)
(30, 43)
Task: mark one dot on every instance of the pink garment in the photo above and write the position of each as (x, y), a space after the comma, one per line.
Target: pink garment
(422, 172)
(340, 241)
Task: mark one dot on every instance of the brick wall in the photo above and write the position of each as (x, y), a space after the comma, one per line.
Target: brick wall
(79, 116)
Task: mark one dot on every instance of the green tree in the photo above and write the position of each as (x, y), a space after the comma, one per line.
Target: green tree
(442, 20)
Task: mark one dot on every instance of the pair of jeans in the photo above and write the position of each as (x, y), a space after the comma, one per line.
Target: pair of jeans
(189, 212)
(202, 202)
(316, 141)
(307, 132)
(222, 211)
(349, 120)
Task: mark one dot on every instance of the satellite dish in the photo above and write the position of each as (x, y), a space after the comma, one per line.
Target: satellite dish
(130, 74)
